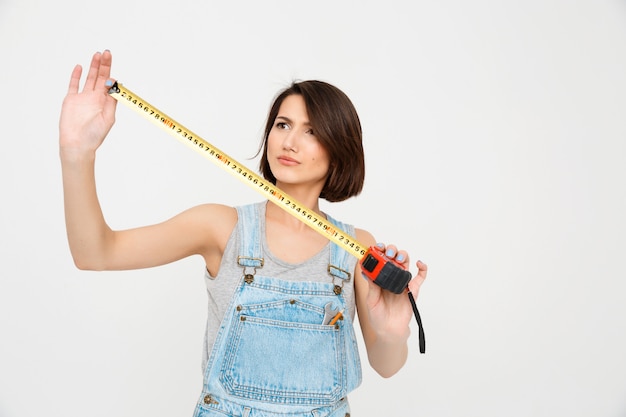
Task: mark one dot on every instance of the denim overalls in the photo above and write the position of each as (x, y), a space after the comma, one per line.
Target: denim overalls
(276, 353)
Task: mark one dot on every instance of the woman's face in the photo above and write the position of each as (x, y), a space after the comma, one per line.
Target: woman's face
(293, 152)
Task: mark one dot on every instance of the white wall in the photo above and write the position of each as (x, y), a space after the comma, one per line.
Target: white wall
(496, 145)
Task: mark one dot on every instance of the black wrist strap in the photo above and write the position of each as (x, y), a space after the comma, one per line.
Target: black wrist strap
(420, 328)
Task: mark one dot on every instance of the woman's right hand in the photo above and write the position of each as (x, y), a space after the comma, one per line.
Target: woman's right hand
(87, 116)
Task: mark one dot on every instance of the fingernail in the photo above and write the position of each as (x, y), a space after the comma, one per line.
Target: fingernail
(400, 258)
(389, 253)
(381, 245)
(109, 83)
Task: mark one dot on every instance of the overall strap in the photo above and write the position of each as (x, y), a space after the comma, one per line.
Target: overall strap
(249, 230)
(339, 266)
(251, 254)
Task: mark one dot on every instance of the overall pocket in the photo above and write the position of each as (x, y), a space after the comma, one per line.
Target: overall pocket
(280, 352)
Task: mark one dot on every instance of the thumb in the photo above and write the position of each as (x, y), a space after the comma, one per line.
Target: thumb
(418, 279)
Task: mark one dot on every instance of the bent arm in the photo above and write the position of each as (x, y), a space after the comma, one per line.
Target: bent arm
(95, 246)
(86, 118)
(385, 316)
(87, 232)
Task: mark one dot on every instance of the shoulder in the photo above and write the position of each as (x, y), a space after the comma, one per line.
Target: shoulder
(214, 221)
(211, 213)
(217, 216)
(365, 237)
(212, 225)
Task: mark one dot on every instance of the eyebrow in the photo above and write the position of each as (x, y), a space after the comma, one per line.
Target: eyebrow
(288, 120)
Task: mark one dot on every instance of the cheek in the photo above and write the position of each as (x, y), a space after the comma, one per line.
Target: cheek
(272, 142)
(321, 159)
(322, 156)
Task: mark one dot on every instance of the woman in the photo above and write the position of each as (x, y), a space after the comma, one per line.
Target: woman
(283, 298)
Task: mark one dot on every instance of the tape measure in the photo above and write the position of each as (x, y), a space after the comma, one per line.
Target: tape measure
(384, 271)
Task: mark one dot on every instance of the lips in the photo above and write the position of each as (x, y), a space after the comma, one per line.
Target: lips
(285, 160)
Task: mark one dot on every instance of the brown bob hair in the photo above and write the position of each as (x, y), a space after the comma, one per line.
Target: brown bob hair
(337, 128)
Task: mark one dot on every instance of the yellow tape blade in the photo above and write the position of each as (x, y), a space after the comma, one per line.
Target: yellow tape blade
(229, 164)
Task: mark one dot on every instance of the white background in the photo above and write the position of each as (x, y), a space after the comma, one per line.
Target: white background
(495, 135)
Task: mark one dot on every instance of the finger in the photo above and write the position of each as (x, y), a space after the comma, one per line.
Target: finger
(111, 104)
(402, 257)
(92, 75)
(422, 269)
(391, 251)
(104, 70)
(418, 279)
(75, 79)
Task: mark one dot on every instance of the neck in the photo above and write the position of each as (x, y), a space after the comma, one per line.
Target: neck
(308, 199)
(308, 196)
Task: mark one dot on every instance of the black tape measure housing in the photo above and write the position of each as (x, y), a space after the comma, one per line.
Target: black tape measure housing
(385, 272)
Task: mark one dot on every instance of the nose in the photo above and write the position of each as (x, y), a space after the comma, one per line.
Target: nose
(289, 141)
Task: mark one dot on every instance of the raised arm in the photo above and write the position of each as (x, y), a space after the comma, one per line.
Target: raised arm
(86, 118)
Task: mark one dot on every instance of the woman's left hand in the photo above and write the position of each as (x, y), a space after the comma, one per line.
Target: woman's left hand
(389, 313)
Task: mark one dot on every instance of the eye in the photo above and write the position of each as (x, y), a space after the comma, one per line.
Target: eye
(281, 125)
(310, 132)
